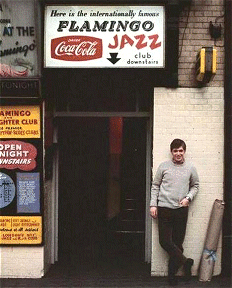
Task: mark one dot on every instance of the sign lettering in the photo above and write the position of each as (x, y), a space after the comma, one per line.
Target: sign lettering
(20, 122)
(18, 40)
(104, 36)
(20, 230)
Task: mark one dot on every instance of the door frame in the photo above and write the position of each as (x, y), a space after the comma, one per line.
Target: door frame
(55, 189)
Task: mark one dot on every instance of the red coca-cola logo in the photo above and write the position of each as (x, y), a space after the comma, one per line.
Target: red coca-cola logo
(76, 48)
(17, 154)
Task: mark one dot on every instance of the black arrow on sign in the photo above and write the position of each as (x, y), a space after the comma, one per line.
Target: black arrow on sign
(113, 58)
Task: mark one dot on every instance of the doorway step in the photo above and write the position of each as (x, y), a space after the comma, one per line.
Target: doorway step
(127, 231)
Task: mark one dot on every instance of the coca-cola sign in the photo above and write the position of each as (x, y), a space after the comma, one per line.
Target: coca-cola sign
(104, 36)
(76, 48)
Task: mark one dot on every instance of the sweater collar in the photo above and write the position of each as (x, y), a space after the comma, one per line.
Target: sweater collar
(178, 163)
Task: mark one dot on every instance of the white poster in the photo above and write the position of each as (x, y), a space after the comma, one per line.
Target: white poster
(104, 36)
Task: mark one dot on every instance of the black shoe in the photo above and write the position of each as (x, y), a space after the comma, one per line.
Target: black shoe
(187, 269)
(172, 270)
(172, 280)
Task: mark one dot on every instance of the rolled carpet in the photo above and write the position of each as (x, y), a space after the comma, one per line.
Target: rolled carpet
(211, 243)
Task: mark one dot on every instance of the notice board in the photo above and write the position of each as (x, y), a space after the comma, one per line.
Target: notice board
(21, 175)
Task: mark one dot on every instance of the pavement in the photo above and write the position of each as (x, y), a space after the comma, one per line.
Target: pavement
(112, 276)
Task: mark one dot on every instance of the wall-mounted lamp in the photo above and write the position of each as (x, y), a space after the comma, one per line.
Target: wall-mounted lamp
(206, 64)
(215, 30)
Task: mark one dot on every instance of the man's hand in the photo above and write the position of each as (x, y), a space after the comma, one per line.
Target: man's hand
(184, 202)
(154, 212)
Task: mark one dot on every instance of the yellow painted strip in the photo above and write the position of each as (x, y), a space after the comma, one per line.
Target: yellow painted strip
(202, 61)
(214, 61)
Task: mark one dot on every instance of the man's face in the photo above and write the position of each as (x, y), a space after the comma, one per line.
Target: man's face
(178, 155)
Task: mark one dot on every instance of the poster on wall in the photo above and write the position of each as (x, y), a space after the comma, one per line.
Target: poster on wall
(7, 190)
(21, 175)
(28, 187)
(19, 39)
(17, 154)
(105, 36)
(20, 230)
(20, 122)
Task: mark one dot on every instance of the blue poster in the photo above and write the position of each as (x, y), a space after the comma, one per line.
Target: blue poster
(7, 190)
(28, 192)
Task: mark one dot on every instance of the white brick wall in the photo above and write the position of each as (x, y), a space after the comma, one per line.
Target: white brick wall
(196, 116)
(21, 262)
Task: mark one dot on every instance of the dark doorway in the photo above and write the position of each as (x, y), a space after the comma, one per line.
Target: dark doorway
(93, 180)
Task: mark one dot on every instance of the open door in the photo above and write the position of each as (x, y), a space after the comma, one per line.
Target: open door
(88, 233)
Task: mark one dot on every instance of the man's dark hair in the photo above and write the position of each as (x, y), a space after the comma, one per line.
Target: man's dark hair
(177, 143)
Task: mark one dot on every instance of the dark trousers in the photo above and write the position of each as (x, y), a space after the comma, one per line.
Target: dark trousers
(172, 228)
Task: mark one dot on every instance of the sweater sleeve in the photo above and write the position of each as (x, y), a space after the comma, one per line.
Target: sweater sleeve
(155, 187)
(194, 183)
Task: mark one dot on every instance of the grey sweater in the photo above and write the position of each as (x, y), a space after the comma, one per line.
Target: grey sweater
(172, 183)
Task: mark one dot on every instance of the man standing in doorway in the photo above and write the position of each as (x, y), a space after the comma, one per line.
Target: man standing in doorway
(175, 185)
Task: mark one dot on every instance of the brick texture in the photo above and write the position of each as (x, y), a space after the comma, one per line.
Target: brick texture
(194, 34)
(21, 262)
(196, 116)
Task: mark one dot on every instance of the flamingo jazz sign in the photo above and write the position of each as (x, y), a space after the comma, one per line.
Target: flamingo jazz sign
(105, 36)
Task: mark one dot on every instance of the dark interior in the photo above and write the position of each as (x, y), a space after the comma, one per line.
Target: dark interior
(87, 236)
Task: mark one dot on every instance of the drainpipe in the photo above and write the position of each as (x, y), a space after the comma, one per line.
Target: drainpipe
(227, 237)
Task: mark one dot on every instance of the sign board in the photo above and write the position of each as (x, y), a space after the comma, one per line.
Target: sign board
(20, 229)
(104, 36)
(20, 122)
(19, 39)
(17, 155)
(21, 175)
(23, 88)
